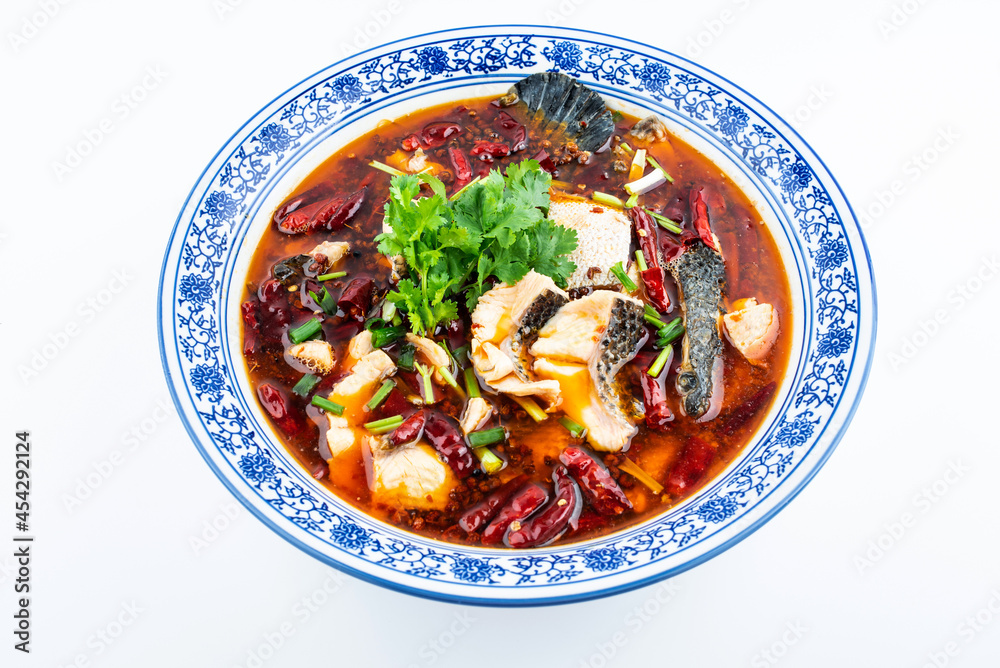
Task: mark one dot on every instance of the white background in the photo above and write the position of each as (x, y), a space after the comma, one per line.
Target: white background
(812, 588)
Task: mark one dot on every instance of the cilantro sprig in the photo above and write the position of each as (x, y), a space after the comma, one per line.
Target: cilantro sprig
(495, 228)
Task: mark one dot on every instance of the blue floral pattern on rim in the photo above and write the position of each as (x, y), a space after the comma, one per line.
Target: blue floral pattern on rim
(208, 241)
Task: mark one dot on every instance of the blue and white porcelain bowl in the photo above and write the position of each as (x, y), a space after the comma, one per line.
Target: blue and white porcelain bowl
(228, 209)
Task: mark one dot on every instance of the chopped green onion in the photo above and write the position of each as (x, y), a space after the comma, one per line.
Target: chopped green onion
(305, 331)
(384, 425)
(374, 323)
(381, 166)
(655, 165)
(660, 362)
(670, 332)
(627, 148)
(382, 393)
(425, 373)
(444, 346)
(332, 275)
(620, 274)
(645, 184)
(636, 472)
(406, 357)
(325, 301)
(328, 405)
(632, 201)
(617, 116)
(461, 190)
(640, 261)
(490, 461)
(529, 405)
(386, 335)
(649, 310)
(665, 222)
(461, 354)
(472, 383)
(305, 385)
(487, 436)
(450, 379)
(575, 428)
(653, 320)
(388, 311)
(396, 320)
(607, 200)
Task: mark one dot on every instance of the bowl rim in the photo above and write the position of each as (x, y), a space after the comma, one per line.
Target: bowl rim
(741, 533)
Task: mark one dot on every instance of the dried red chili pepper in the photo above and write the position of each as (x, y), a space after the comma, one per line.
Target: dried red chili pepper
(436, 134)
(411, 143)
(356, 300)
(601, 490)
(410, 430)
(459, 163)
(276, 405)
(554, 519)
(523, 503)
(645, 233)
(516, 132)
(338, 211)
(544, 161)
(315, 194)
(690, 467)
(490, 149)
(658, 413)
(250, 311)
(653, 278)
(443, 434)
(273, 310)
(742, 413)
(477, 516)
(699, 218)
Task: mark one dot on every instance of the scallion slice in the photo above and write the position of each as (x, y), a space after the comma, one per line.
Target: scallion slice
(620, 274)
(529, 405)
(382, 167)
(491, 462)
(632, 200)
(607, 200)
(332, 275)
(381, 394)
(305, 385)
(388, 310)
(640, 261)
(386, 335)
(575, 428)
(305, 331)
(653, 320)
(661, 361)
(665, 222)
(384, 425)
(487, 436)
(327, 405)
(655, 165)
(325, 301)
(425, 374)
(406, 357)
(670, 332)
(461, 355)
(472, 383)
(450, 379)
(645, 184)
(636, 472)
